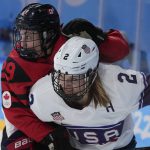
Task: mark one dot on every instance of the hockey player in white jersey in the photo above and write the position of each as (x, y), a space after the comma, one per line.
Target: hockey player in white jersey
(93, 100)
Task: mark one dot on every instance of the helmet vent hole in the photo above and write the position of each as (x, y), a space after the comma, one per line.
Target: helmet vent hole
(79, 54)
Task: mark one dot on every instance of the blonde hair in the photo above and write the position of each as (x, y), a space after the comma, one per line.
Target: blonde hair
(97, 92)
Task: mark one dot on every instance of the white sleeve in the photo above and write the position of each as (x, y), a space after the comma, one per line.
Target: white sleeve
(40, 99)
(131, 85)
(123, 86)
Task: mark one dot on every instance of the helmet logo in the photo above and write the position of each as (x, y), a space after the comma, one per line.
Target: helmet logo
(51, 11)
(86, 49)
(24, 13)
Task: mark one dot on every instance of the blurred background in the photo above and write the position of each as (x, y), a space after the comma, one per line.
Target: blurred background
(131, 17)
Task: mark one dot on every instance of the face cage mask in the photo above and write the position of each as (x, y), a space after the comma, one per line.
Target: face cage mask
(83, 81)
(32, 53)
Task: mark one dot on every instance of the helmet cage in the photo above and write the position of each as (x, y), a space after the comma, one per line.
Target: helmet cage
(31, 52)
(44, 42)
(85, 82)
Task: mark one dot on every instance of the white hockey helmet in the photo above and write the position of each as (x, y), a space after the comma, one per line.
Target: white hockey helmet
(77, 56)
(77, 60)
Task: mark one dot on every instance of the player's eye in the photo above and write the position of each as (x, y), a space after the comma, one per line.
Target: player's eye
(29, 37)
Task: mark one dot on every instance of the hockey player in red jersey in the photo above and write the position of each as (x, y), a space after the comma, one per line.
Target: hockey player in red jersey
(37, 38)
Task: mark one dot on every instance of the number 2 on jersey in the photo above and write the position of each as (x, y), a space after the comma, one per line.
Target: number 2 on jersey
(129, 78)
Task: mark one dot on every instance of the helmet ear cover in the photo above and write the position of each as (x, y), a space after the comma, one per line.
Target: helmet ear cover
(42, 18)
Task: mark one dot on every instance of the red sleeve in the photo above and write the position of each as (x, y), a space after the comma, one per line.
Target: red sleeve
(15, 88)
(114, 48)
(18, 75)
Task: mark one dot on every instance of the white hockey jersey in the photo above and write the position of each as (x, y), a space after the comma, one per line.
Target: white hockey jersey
(94, 128)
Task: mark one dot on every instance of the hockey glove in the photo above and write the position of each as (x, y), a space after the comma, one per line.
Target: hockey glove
(57, 140)
(18, 141)
(83, 28)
